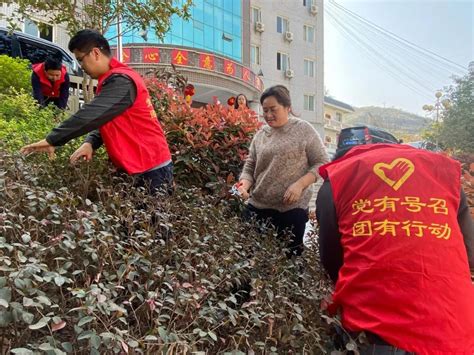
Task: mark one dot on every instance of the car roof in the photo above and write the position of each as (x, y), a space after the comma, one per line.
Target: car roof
(36, 39)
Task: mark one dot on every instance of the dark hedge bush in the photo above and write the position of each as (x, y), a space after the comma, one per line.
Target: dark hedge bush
(89, 264)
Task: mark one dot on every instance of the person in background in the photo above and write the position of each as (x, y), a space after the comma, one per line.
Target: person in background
(241, 101)
(50, 82)
(121, 117)
(397, 239)
(281, 166)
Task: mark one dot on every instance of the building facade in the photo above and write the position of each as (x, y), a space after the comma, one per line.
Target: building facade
(334, 112)
(54, 33)
(212, 49)
(286, 39)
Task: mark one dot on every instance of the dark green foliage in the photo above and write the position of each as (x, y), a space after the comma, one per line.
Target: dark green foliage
(89, 264)
(457, 128)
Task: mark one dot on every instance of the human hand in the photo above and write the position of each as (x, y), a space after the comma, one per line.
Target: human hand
(292, 193)
(85, 152)
(40, 146)
(243, 191)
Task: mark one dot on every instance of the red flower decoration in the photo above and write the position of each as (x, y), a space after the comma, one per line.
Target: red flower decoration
(189, 90)
(231, 101)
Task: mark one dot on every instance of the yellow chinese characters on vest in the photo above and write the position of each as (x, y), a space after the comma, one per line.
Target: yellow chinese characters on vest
(395, 174)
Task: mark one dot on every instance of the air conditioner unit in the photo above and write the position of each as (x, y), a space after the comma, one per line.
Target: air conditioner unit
(259, 26)
(314, 9)
(289, 36)
(289, 73)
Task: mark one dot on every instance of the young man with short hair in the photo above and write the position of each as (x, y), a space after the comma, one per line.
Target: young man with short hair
(121, 116)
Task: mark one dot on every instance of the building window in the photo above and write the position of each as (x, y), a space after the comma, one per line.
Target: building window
(309, 102)
(309, 68)
(45, 32)
(255, 54)
(307, 3)
(256, 15)
(283, 61)
(283, 24)
(308, 33)
(339, 116)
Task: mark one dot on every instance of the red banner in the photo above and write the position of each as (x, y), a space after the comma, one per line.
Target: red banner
(206, 61)
(151, 55)
(246, 75)
(258, 83)
(126, 55)
(179, 57)
(229, 67)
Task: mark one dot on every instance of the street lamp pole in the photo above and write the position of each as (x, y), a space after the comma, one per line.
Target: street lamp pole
(119, 33)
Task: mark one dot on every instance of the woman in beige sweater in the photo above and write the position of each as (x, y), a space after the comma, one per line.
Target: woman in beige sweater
(282, 164)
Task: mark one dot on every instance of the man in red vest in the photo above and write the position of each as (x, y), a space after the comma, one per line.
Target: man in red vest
(50, 82)
(121, 117)
(397, 238)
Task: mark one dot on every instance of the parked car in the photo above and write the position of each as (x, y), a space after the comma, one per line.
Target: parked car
(36, 50)
(425, 145)
(352, 136)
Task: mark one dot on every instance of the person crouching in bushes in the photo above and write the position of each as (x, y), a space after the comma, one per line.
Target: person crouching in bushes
(281, 166)
(50, 82)
(121, 117)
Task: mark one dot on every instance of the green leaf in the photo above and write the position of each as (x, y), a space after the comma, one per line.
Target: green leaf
(212, 335)
(44, 300)
(59, 280)
(163, 334)
(6, 318)
(95, 341)
(45, 347)
(41, 323)
(6, 294)
(150, 338)
(85, 320)
(28, 302)
(133, 343)
(21, 351)
(27, 317)
(67, 347)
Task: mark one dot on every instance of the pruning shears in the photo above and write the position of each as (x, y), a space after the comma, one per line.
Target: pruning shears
(234, 191)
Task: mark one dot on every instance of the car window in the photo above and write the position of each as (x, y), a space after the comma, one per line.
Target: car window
(391, 139)
(352, 136)
(5, 44)
(35, 52)
(38, 52)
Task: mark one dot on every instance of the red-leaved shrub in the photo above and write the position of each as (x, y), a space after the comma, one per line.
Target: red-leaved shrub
(208, 144)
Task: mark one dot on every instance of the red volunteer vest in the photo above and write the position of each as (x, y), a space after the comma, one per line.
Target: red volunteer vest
(405, 275)
(134, 140)
(48, 88)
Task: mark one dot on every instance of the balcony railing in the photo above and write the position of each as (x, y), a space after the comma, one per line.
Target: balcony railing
(330, 123)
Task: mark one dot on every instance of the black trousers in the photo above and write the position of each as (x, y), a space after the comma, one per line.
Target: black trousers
(156, 180)
(293, 220)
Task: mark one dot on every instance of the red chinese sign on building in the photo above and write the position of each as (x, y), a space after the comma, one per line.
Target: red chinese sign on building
(206, 61)
(179, 57)
(246, 75)
(258, 83)
(229, 67)
(126, 55)
(151, 55)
